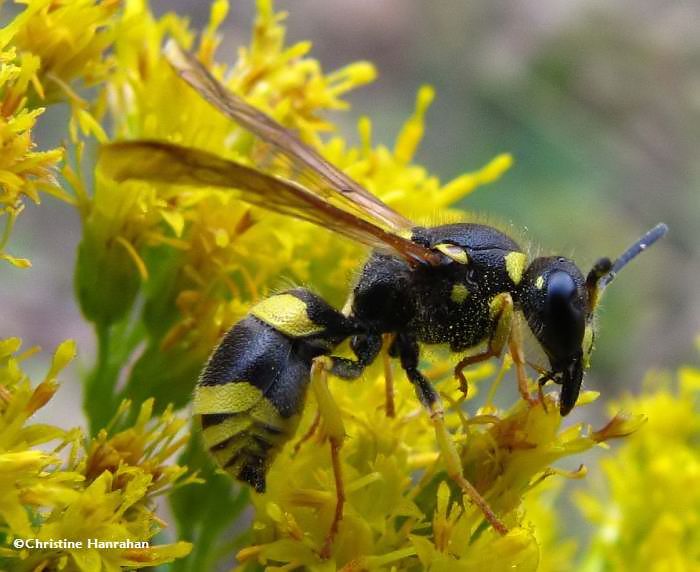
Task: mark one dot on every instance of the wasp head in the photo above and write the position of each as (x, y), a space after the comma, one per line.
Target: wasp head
(559, 305)
(554, 300)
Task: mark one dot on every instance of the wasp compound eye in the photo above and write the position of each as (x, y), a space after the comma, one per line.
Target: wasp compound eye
(561, 288)
(564, 316)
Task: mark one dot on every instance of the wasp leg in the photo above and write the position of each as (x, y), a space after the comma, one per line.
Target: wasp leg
(540, 389)
(335, 430)
(310, 433)
(388, 376)
(366, 348)
(501, 309)
(515, 346)
(340, 498)
(408, 353)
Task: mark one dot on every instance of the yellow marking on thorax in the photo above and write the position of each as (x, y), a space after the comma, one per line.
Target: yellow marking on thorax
(233, 397)
(454, 252)
(459, 293)
(539, 283)
(515, 265)
(287, 314)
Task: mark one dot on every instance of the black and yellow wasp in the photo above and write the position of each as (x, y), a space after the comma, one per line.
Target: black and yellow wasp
(464, 285)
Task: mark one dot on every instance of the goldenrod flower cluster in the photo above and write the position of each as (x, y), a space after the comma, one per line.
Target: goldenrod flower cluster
(646, 510)
(403, 511)
(198, 257)
(57, 485)
(164, 270)
(43, 50)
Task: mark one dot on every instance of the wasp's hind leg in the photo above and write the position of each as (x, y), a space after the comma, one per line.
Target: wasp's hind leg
(408, 351)
(335, 431)
(501, 309)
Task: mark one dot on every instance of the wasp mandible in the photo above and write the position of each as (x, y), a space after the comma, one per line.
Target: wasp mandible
(465, 285)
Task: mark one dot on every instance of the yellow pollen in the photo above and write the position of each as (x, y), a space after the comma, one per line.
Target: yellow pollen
(459, 293)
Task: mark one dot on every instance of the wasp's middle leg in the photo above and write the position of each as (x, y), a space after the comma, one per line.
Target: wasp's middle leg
(408, 352)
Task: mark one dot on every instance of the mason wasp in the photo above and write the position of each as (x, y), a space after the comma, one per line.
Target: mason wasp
(466, 285)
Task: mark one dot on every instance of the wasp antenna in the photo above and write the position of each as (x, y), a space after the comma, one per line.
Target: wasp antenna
(604, 271)
(637, 248)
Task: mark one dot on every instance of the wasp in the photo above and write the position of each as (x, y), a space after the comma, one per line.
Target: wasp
(464, 285)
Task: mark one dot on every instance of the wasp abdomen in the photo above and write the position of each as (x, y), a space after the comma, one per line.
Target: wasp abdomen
(252, 391)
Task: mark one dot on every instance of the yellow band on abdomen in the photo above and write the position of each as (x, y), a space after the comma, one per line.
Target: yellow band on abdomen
(234, 425)
(286, 314)
(232, 397)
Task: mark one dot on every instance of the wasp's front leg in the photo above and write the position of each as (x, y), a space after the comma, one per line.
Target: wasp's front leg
(515, 346)
(501, 311)
(408, 351)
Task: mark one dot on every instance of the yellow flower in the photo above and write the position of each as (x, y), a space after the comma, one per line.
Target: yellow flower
(646, 515)
(101, 489)
(148, 100)
(69, 38)
(402, 510)
(24, 479)
(146, 445)
(49, 44)
(23, 171)
(108, 513)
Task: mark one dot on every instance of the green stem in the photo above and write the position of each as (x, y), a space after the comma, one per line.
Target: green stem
(115, 345)
(99, 402)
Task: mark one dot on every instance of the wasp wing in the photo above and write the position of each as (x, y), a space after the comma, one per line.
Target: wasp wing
(304, 163)
(162, 162)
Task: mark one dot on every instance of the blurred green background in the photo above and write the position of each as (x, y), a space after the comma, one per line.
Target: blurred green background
(599, 103)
